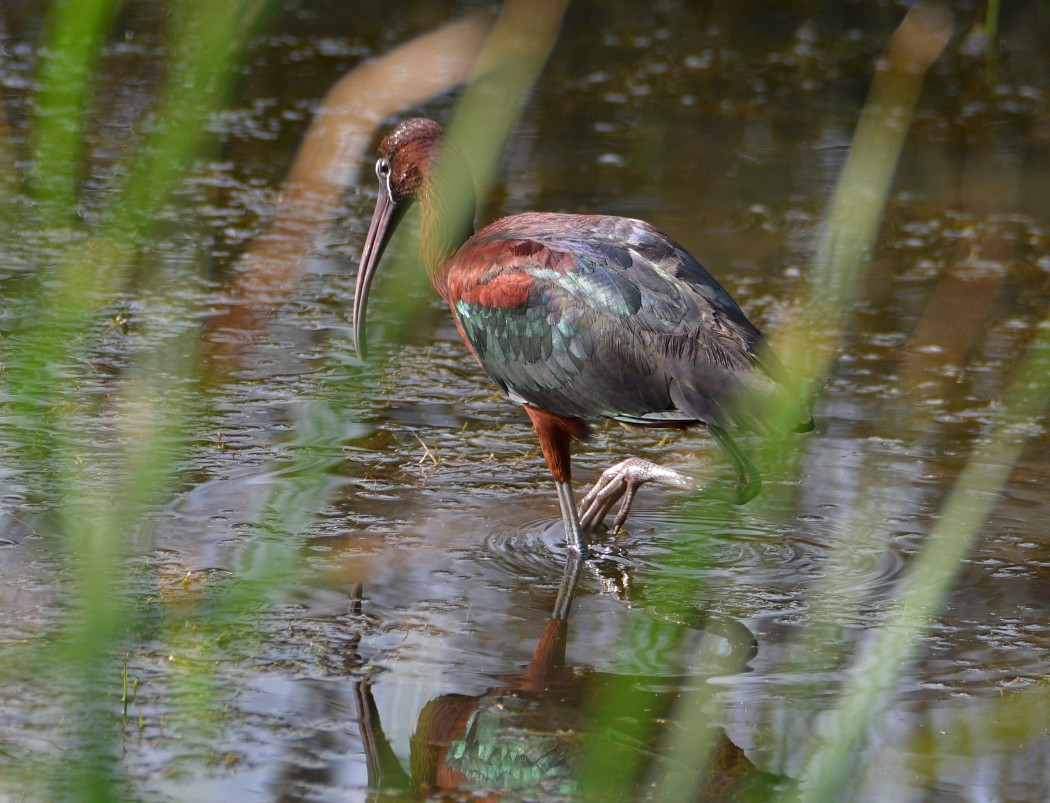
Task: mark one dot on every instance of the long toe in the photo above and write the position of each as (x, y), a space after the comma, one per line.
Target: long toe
(605, 493)
(625, 508)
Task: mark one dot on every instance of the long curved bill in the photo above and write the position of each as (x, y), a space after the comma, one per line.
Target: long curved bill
(384, 222)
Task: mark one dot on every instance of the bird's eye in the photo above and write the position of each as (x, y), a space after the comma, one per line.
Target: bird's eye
(383, 169)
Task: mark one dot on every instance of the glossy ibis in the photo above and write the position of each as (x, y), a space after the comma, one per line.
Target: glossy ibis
(578, 317)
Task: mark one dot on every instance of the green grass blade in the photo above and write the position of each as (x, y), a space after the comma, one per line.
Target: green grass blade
(75, 32)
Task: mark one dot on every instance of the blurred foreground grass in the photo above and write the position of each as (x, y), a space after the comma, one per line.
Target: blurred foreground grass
(874, 669)
(101, 491)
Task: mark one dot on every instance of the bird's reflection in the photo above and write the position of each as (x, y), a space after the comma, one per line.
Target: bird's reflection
(525, 735)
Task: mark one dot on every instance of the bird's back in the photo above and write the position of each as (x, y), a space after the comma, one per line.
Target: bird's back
(595, 316)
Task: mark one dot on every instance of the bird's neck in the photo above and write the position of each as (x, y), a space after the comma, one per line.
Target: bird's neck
(446, 222)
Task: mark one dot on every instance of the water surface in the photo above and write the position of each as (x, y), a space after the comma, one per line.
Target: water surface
(436, 555)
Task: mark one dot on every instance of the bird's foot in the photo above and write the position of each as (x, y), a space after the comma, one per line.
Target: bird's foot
(623, 480)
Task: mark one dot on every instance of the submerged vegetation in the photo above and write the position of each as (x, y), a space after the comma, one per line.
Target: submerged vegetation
(99, 224)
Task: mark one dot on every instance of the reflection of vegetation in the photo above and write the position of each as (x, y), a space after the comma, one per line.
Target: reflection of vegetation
(101, 485)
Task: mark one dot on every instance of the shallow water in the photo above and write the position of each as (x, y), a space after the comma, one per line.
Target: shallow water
(433, 544)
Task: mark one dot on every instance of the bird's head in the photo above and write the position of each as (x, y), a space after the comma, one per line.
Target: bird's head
(407, 156)
(415, 163)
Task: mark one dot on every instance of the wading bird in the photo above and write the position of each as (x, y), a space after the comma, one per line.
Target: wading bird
(579, 317)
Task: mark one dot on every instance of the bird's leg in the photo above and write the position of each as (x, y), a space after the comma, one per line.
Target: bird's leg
(623, 480)
(750, 481)
(570, 519)
(555, 432)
